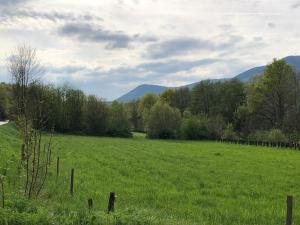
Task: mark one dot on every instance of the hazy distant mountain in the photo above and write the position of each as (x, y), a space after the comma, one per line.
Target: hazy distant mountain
(246, 76)
(141, 90)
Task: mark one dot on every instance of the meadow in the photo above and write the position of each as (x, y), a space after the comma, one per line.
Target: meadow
(156, 182)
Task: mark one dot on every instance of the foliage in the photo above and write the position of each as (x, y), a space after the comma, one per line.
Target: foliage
(135, 117)
(96, 115)
(5, 101)
(259, 135)
(229, 133)
(222, 98)
(145, 105)
(194, 128)
(164, 121)
(272, 95)
(276, 135)
(178, 98)
(216, 126)
(118, 124)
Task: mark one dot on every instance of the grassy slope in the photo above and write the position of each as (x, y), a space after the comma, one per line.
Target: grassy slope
(176, 181)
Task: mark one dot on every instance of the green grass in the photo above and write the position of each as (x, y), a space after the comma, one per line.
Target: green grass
(168, 182)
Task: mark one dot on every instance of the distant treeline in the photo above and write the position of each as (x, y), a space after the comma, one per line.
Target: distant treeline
(265, 109)
(67, 110)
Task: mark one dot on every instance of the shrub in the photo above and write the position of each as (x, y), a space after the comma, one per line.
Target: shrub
(194, 128)
(259, 136)
(164, 121)
(229, 133)
(276, 135)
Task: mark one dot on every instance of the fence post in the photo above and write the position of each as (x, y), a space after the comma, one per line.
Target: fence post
(289, 210)
(111, 202)
(72, 182)
(90, 203)
(57, 167)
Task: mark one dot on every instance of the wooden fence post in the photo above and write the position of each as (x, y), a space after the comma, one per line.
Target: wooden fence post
(90, 203)
(111, 202)
(72, 182)
(57, 167)
(289, 210)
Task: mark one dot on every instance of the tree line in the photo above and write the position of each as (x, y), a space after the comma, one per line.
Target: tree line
(264, 109)
(67, 110)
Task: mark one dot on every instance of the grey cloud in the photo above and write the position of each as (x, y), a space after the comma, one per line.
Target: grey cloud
(271, 25)
(139, 72)
(64, 69)
(113, 39)
(10, 2)
(8, 14)
(226, 27)
(174, 66)
(181, 46)
(295, 5)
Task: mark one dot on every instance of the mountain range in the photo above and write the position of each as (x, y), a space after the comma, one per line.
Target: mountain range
(143, 89)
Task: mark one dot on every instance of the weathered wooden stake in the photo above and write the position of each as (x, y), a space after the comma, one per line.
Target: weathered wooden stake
(111, 202)
(289, 210)
(72, 182)
(57, 167)
(90, 203)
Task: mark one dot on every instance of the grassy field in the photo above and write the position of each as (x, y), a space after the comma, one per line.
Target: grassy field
(163, 182)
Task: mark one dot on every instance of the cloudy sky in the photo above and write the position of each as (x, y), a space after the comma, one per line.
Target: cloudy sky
(108, 47)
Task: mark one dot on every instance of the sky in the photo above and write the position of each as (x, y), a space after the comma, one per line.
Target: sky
(108, 47)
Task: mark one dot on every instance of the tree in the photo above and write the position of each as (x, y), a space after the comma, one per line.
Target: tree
(24, 68)
(3, 102)
(73, 109)
(177, 98)
(145, 105)
(164, 121)
(119, 124)
(28, 98)
(135, 118)
(202, 98)
(271, 96)
(229, 95)
(96, 116)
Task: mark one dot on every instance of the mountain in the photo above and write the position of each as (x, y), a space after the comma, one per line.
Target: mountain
(141, 90)
(246, 76)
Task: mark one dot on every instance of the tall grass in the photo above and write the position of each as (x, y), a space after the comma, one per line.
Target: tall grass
(159, 182)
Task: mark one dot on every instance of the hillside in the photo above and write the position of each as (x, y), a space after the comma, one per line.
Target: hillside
(157, 182)
(141, 90)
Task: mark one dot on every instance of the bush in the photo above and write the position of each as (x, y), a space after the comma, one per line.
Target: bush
(164, 121)
(259, 136)
(194, 128)
(276, 135)
(229, 133)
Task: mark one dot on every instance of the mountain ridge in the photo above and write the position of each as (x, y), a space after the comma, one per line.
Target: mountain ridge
(245, 76)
